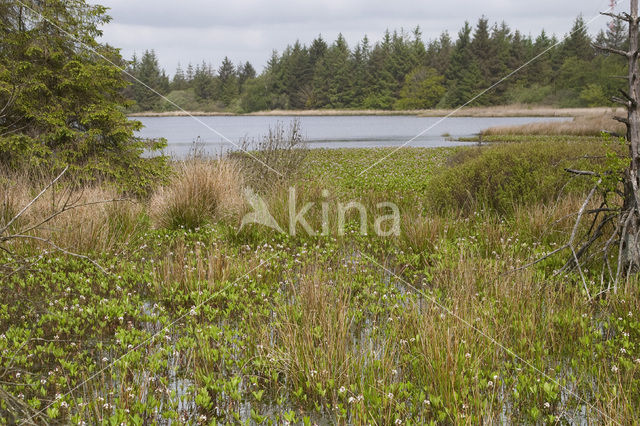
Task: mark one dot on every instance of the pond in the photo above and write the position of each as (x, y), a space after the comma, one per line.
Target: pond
(220, 133)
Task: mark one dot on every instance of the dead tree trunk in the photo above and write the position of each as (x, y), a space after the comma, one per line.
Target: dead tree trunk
(630, 218)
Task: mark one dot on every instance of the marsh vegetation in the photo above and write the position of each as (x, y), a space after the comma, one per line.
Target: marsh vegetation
(194, 321)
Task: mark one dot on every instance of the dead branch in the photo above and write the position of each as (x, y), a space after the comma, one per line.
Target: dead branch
(622, 17)
(612, 50)
(582, 172)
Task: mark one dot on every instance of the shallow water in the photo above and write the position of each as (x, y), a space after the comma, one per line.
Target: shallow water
(220, 133)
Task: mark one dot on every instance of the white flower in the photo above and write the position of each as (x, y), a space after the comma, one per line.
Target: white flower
(489, 384)
(342, 389)
(467, 355)
(614, 369)
(390, 395)
(398, 422)
(351, 400)
(547, 405)
(426, 402)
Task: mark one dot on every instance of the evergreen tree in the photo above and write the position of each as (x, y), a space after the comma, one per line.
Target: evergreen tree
(463, 76)
(226, 85)
(190, 73)
(578, 43)
(246, 72)
(64, 106)
(439, 53)
(332, 79)
(203, 82)
(297, 74)
(147, 70)
(179, 81)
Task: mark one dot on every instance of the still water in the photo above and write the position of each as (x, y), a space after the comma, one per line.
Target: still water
(321, 131)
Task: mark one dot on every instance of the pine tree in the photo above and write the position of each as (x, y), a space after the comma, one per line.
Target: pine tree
(463, 76)
(332, 79)
(147, 71)
(179, 81)
(578, 43)
(203, 82)
(439, 53)
(65, 105)
(245, 72)
(226, 85)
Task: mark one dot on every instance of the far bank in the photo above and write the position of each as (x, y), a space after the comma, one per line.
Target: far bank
(494, 111)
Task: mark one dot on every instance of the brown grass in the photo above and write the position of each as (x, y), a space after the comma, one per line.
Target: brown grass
(517, 110)
(520, 110)
(88, 218)
(587, 125)
(201, 191)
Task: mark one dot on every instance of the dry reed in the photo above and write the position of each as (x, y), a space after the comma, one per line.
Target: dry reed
(201, 191)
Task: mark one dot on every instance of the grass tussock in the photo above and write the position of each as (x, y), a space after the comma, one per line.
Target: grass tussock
(201, 191)
(587, 125)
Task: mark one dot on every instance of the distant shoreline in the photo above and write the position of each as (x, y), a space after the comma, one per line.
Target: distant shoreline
(497, 111)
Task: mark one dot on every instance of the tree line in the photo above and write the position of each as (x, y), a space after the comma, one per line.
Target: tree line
(400, 71)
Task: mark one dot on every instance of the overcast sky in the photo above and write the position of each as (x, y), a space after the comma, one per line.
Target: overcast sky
(196, 30)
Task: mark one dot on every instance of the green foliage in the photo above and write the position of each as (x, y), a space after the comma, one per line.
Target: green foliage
(422, 89)
(593, 95)
(146, 71)
(499, 177)
(63, 105)
(390, 73)
(529, 94)
(188, 100)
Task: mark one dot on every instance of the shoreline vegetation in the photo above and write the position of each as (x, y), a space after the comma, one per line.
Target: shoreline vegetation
(493, 111)
(329, 320)
(434, 288)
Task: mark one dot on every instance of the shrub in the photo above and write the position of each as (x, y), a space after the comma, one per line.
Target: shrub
(500, 177)
(202, 190)
(275, 158)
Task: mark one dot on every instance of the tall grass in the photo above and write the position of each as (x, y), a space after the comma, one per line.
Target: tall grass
(80, 218)
(588, 125)
(202, 190)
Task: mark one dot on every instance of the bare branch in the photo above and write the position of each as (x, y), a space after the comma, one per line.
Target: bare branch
(621, 119)
(621, 101)
(582, 172)
(629, 98)
(612, 50)
(623, 16)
